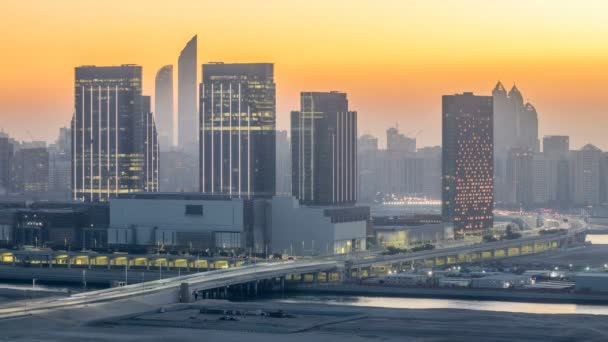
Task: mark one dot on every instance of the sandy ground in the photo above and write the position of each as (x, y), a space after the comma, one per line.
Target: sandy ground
(365, 324)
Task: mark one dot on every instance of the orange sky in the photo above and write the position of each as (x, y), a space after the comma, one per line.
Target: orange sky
(395, 58)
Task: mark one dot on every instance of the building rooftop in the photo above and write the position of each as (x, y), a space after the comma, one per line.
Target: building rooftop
(188, 196)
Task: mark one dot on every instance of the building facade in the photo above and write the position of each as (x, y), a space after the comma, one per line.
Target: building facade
(324, 149)
(556, 145)
(163, 106)
(467, 163)
(283, 169)
(237, 130)
(31, 170)
(186, 97)
(586, 180)
(114, 148)
(398, 142)
(6, 160)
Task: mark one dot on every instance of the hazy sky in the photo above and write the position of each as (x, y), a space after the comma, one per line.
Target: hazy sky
(394, 58)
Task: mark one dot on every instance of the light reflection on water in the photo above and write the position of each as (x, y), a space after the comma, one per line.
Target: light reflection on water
(597, 239)
(425, 303)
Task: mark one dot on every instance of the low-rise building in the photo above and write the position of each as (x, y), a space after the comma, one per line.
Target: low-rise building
(185, 220)
(408, 231)
(316, 230)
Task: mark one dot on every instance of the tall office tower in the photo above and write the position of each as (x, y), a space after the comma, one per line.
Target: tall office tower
(6, 159)
(109, 133)
(520, 171)
(151, 153)
(467, 161)
(527, 121)
(397, 142)
(505, 121)
(31, 170)
(505, 137)
(163, 106)
(556, 145)
(186, 98)
(283, 168)
(237, 130)
(529, 128)
(324, 149)
(585, 175)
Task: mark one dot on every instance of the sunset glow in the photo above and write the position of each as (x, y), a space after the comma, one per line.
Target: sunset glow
(395, 58)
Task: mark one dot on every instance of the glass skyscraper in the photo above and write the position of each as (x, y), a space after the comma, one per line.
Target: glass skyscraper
(324, 149)
(163, 106)
(237, 130)
(467, 167)
(114, 142)
(186, 97)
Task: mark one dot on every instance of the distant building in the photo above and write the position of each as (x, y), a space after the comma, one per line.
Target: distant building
(367, 143)
(60, 164)
(237, 130)
(151, 152)
(431, 171)
(178, 171)
(397, 142)
(467, 163)
(283, 169)
(163, 106)
(391, 175)
(187, 112)
(520, 181)
(113, 140)
(545, 179)
(6, 161)
(324, 149)
(367, 157)
(31, 170)
(585, 185)
(515, 127)
(556, 145)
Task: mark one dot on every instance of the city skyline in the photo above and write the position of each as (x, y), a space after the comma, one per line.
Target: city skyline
(548, 62)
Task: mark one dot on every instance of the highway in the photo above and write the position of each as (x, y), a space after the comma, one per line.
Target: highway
(239, 275)
(198, 281)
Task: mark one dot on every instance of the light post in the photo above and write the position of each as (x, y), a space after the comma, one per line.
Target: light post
(127, 272)
(143, 282)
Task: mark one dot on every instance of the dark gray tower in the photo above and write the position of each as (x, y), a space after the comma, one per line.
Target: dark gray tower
(467, 163)
(186, 97)
(114, 151)
(237, 130)
(324, 149)
(163, 106)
